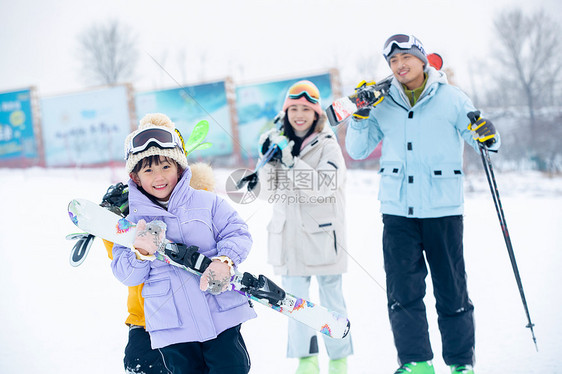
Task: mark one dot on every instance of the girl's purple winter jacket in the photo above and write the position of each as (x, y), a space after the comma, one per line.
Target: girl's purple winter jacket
(176, 310)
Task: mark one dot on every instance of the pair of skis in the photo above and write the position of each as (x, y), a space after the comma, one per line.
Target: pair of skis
(116, 197)
(107, 221)
(101, 222)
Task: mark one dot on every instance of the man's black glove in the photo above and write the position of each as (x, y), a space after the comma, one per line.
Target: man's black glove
(484, 131)
(366, 98)
(362, 113)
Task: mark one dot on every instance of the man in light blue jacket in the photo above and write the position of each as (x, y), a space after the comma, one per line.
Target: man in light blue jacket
(423, 125)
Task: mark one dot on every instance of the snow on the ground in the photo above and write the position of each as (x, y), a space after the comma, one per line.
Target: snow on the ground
(59, 319)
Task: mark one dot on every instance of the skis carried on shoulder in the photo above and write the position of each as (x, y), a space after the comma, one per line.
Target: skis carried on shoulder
(103, 223)
(342, 109)
(367, 94)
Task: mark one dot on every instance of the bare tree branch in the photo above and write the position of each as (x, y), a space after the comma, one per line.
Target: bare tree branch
(108, 53)
(527, 44)
(527, 48)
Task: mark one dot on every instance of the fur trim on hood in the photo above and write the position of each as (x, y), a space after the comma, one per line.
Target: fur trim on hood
(202, 177)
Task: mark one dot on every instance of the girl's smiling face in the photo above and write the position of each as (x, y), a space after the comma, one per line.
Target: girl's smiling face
(157, 178)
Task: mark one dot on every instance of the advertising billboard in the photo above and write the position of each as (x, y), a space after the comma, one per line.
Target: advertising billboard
(87, 128)
(18, 138)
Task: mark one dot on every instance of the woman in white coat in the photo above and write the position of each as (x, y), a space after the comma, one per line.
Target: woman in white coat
(305, 183)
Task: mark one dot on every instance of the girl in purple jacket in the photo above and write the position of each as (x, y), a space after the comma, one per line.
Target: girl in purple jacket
(195, 330)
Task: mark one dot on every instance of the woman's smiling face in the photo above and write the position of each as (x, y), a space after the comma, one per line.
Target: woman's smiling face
(301, 117)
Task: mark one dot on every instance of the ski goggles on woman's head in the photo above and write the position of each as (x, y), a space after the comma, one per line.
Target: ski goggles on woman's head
(304, 90)
(159, 137)
(401, 41)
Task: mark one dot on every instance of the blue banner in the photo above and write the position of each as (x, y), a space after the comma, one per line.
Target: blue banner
(17, 136)
(188, 105)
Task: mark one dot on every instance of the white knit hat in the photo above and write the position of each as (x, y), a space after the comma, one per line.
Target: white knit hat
(154, 120)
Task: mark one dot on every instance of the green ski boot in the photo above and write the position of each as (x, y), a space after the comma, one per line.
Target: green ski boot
(462, 369)
(423, 367)
(338, 366)
(308, 365)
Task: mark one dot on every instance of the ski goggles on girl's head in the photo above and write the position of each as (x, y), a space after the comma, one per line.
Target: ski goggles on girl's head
(159, 137)
(303, 89)
(401, 41)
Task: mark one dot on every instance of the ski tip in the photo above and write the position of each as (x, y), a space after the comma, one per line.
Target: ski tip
(73, 210)
(76, 236)
(347, 328)
(435, 60)
(336, 330)
(80, 250)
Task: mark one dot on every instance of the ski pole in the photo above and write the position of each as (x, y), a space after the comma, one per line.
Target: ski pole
(252, 179)
(487, 163)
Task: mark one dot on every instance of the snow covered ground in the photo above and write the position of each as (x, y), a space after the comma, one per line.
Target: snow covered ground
(60, 319)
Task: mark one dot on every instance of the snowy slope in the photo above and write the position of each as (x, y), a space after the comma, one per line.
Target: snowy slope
(59, 319)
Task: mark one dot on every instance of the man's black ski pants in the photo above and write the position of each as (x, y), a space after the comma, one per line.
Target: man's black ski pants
(405, 241)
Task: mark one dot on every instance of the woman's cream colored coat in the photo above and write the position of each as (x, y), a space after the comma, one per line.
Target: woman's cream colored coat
(306, 234)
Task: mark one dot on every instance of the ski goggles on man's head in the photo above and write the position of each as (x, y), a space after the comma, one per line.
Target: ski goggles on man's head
(159, 137)
(401, 41)
(311, 93)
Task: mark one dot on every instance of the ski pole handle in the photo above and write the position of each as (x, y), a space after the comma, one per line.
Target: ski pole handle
(473, 117)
